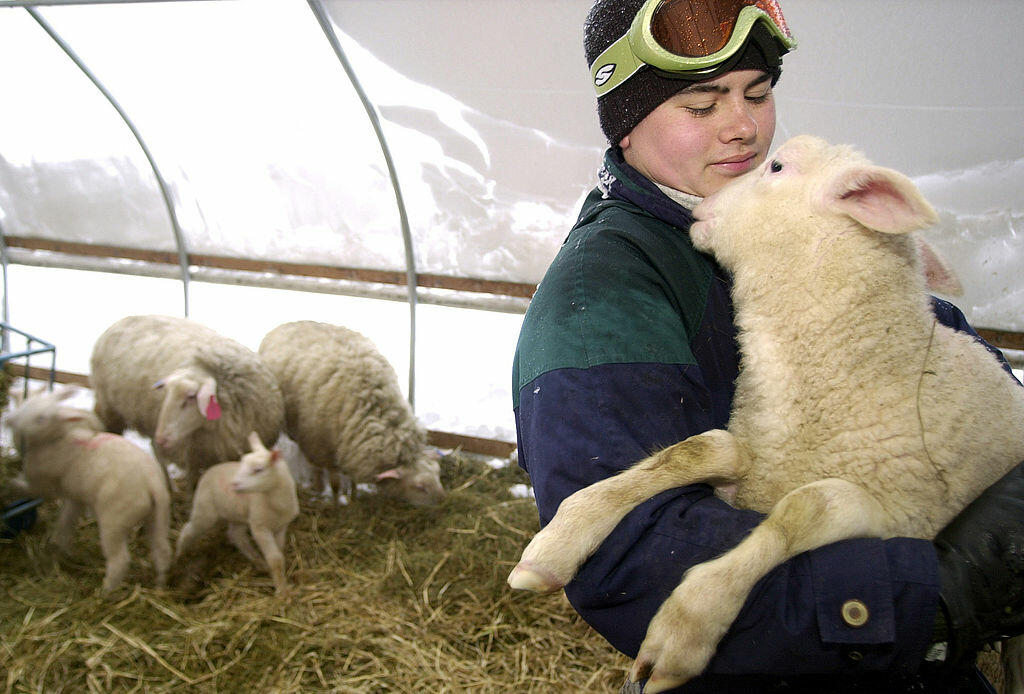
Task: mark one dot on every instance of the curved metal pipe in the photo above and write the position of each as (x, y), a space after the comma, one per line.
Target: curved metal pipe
(371, 112)
(164, 190)
(4, 342)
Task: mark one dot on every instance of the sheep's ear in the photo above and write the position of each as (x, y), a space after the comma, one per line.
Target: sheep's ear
(206, 400)
(392, 474)
(880, 199)
(938, 275)
(275, 455)
(255, 444)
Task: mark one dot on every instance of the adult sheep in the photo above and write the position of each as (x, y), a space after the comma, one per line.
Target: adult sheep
(856, 413)
(194, 392)
(346, 412)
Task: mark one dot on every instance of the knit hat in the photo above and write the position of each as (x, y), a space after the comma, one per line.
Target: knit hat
(621, 109)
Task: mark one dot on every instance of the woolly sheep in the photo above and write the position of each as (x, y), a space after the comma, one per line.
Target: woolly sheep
(196, 393)
(345, 410)
(257, 493)
(868, 441)
(66, 456)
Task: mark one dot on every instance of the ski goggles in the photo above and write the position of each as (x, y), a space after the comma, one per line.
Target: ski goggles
(686, 38)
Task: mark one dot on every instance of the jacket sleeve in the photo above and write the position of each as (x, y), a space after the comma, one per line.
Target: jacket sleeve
(577, 426)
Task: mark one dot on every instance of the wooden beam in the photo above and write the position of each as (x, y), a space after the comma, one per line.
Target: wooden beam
(1003, 339)
(427, 280)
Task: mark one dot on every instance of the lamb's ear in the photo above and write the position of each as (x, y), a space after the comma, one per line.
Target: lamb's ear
(938, 275)
(206, 400)
(392, 474)
(255, 443)
(880, 199)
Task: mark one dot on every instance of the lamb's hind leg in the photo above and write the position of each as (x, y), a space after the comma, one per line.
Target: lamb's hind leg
(587, 517)
(114, 543)
(684, 633)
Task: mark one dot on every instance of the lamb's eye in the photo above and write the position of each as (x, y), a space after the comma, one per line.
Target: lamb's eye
(775, 166)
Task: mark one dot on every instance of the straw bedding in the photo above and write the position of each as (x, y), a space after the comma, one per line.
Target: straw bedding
(385, 598)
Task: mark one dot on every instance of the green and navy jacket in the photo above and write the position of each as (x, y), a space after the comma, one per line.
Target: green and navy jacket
(629, 346)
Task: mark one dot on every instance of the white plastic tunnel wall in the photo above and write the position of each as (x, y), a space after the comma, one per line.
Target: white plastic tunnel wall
(286, 204)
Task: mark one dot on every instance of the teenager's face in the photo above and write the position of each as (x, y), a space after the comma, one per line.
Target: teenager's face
(707, 134)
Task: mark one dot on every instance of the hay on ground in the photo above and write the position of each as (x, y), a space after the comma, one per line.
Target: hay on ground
(385, 598)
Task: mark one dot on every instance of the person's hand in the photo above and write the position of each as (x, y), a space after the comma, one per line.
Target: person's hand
(981, 569)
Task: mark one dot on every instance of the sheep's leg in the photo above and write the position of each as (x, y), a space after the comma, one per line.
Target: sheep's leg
(198, 525)
(587, 517)
(159, 544)
(321, 483)
(271, 549)
(238, 533)
(70, 511)
(337, 482)
(684, 633)
(1012, 658)
(114, 543)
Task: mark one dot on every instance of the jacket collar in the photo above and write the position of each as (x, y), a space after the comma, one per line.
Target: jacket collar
(617, 179)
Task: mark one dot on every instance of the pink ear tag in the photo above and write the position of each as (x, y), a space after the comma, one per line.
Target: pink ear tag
(213, 409)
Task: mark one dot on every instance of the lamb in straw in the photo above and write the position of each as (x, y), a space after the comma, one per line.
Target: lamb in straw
(66, 456)
(253, 495)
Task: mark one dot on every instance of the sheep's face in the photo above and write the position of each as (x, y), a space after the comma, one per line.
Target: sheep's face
(763, 210)
(811, 205)
(182, 410)
(418, 484)
(42, 416)
(35, 417)
(256, 471)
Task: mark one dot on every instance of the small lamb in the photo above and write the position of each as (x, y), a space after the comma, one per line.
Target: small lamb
(66, 456)
(345, 410)
(258, 493)
(854, 409)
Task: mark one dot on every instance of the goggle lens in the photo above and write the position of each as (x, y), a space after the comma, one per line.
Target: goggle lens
(699, 28)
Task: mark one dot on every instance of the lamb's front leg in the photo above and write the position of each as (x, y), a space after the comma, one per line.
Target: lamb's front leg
(587, 517)
(684, 633)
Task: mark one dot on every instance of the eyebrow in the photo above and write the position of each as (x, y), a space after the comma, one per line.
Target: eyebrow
(701, 88)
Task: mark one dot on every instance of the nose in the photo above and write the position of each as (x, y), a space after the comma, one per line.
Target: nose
(739, 123)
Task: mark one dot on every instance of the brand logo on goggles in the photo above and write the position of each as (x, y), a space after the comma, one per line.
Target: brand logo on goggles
(603, 74)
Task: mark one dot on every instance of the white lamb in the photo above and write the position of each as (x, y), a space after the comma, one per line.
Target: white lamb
(345, 410)
(194, 392)
(254, 495)
(65, 456)
(854, 409)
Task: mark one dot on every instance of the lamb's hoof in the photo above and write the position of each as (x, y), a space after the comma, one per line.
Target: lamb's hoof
(661, 684)
(526, 577)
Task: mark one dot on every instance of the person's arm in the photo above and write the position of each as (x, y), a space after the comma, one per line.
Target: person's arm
(577, 426)
(981, 551)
